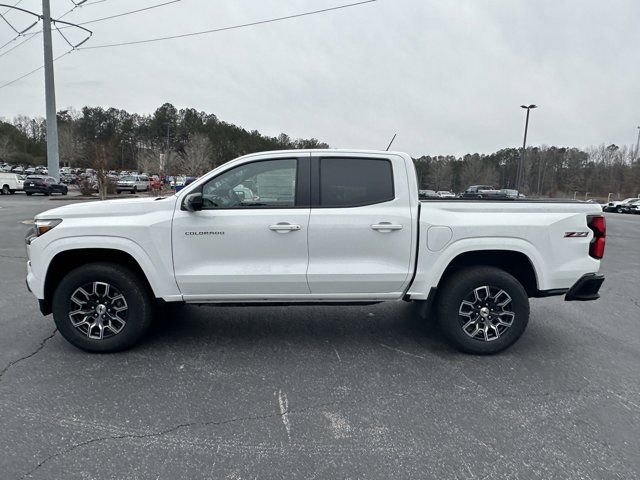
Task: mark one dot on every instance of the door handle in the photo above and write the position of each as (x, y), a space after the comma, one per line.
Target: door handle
(385, 227)
(284, 227)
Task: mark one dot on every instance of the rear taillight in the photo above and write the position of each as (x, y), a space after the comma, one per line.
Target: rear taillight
(598, 225)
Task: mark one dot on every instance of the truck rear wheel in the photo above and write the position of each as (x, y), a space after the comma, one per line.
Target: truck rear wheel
(482, 310)
(102, 307)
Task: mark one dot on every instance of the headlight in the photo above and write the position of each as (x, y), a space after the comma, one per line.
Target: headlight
(43, 226)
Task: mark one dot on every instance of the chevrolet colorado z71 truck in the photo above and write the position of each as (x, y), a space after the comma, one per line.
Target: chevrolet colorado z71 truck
(320, 226)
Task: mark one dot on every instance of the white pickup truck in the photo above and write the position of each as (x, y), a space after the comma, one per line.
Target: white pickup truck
(317, 226)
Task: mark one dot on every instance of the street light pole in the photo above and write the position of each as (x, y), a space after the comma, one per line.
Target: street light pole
(635, 157)
(524, 147)
(53, 159)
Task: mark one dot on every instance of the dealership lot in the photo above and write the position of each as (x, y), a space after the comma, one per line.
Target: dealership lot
(332, 392)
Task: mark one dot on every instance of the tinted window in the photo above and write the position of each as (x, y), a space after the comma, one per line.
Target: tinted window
(269, 183)
(349, 182)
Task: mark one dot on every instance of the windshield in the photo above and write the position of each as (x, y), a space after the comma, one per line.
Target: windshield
(128, 178)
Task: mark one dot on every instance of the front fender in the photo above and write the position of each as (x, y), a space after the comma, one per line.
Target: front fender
(160, 278)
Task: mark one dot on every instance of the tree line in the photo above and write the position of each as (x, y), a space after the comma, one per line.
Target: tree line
(547, 171)
(172, 141)
(188, 141)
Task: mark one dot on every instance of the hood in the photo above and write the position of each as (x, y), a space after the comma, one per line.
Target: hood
(111, 208)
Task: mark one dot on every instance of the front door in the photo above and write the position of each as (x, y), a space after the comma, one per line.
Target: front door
(249, 242)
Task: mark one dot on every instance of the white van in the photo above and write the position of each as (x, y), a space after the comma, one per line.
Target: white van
(9, 183)
(133, 183)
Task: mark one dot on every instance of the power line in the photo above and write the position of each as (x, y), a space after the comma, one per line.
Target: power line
(15, 5)
(19, 33)
(34, 70)
(233, 27)
(128, 13)
(31, 34)
(95, 20)
(30, 37)
(46, 18)
(192, 34)
(75, 6)
(93, 3)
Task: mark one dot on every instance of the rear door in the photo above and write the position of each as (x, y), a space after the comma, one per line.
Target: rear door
(360, 228)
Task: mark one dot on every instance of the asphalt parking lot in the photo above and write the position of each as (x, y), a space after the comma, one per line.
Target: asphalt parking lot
(323, 392)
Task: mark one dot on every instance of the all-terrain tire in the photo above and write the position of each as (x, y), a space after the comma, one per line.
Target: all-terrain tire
(123, 282)
(476, 293)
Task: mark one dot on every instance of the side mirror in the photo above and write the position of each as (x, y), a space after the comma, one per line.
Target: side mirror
(193, 202)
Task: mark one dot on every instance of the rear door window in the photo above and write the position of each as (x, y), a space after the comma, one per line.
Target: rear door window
(353, 182)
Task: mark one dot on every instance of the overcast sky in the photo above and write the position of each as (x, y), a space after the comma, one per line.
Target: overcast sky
(448, 76)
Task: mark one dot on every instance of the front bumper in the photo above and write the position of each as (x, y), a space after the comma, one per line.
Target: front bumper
(586, 288)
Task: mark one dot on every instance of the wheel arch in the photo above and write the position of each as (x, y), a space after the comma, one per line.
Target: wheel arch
(66, 261)
(516, 263)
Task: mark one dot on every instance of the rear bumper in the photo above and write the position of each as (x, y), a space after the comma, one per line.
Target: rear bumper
(586, 288)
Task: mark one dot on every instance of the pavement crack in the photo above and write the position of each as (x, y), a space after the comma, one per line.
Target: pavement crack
(173, 429)
(35, 352)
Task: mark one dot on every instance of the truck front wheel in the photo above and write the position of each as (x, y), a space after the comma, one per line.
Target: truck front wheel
(482, 310)
(102, 307)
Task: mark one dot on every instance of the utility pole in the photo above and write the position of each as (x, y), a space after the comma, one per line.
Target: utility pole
(635, 157)
(53, 159)
(524, 147)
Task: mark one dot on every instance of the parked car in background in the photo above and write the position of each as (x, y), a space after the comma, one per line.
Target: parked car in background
(445, 194)
(424, 194)
(635, 208)
(155, 183)
(133, 184)
(482, 191)
(18, 169)
(9, 183)
(30, 171)
(628, 207)
(177, 181)
(67, 178)
(511, 193)
(618, 206)
(185, 182)
(43, 184)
